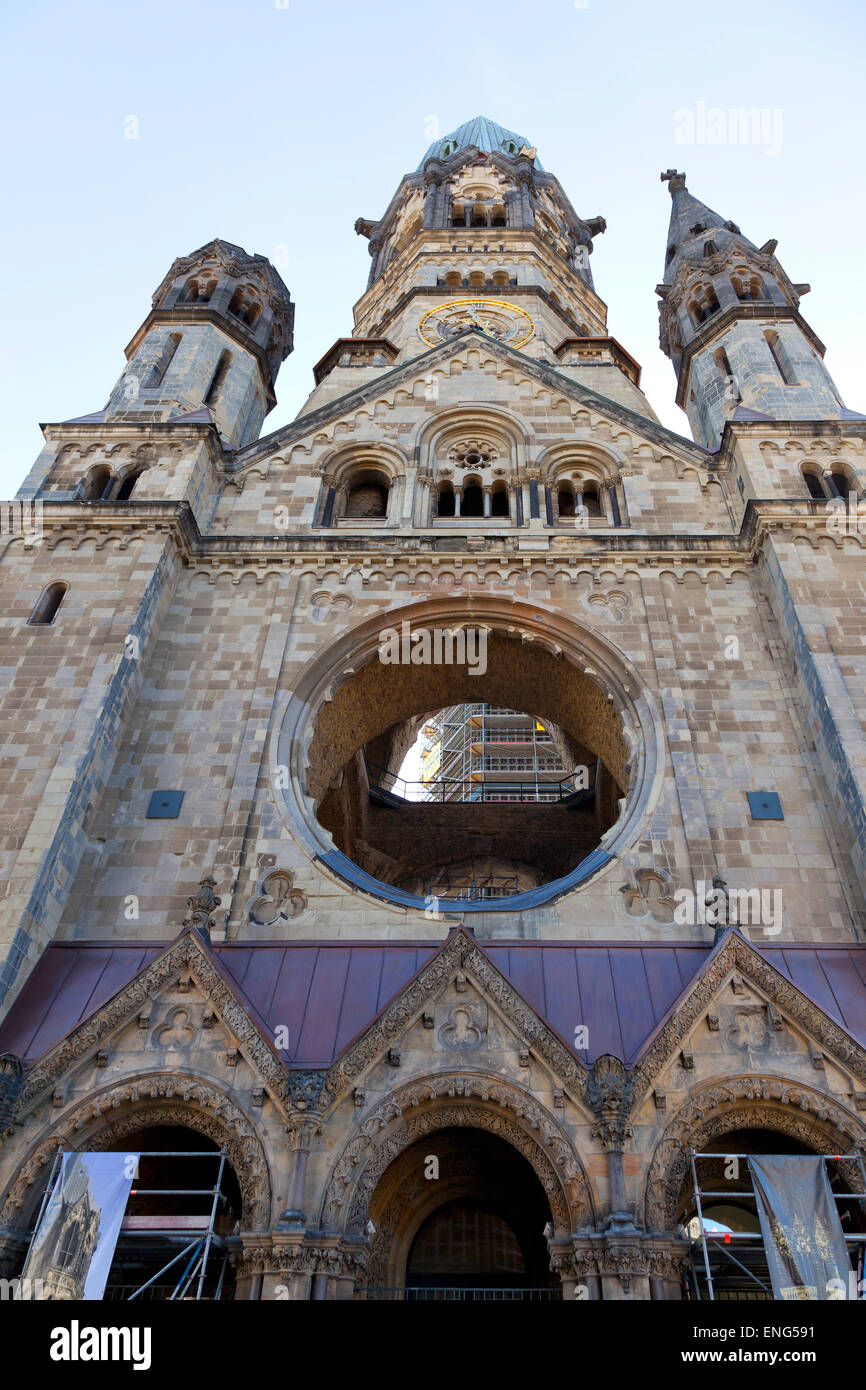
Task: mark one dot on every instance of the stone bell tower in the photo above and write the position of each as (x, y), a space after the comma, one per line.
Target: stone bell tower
(220, 327)
(731, 325)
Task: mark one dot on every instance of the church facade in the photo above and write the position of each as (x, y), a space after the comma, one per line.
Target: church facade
(215, 920)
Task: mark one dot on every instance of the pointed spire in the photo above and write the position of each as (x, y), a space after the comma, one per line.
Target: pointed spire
(690, 221)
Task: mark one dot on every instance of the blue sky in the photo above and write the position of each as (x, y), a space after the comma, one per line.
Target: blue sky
(276, 127)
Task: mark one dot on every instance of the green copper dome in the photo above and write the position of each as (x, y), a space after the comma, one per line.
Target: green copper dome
(485, 135)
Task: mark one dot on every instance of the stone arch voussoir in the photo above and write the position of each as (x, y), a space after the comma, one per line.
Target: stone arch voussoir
(454, 1101)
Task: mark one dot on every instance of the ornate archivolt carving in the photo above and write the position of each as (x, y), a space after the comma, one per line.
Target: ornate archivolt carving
(147, 1101)
(771, 1103)
(459, 953)
(453, 1101)
(186, 956)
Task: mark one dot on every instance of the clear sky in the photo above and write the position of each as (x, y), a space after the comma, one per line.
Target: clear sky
(276, 125)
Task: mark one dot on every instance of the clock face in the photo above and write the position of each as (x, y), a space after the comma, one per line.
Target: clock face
(505, 322)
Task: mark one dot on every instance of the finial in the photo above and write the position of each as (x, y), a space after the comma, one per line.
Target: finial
(674, 180)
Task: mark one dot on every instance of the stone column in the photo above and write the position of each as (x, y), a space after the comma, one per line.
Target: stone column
(423, 484)
(458, 493)
(487, 501)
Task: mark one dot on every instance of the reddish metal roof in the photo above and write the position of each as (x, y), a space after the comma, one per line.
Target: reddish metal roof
(326, 993)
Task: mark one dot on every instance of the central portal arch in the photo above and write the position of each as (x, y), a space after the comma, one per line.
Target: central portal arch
(460, 1209)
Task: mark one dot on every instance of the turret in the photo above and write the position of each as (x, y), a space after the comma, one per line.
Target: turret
(730, 322)
(220, 327)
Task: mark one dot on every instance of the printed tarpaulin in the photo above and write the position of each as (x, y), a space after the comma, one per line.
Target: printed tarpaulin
(73, 1246)
(803, 1239)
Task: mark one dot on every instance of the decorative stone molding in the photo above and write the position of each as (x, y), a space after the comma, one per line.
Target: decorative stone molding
(278, 900)
(770, 1103)
(187, 955)
(735, 954)
(503, 1110)
(460, 954)
(156, 1100)
(306, 1255)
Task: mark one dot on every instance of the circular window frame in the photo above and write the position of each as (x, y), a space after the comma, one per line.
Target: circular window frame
(593, 655)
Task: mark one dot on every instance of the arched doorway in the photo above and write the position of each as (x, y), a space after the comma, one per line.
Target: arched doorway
(460, 1215)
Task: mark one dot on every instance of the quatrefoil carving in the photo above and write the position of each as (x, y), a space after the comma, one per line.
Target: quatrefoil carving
(278, 900)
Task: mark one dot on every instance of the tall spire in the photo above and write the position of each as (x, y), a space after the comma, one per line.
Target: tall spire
(690, 221)
(730, 322)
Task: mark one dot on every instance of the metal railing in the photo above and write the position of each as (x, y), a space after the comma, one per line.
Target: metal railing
(420, 1294)
(519, 789)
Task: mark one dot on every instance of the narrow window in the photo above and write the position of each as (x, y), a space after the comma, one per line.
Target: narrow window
(473, 501)
(781, 358)
(47, 605)
(720, 357)
(565, 502)
(161, 365)
(499, 502)
(446, 500)
(219, 376)
(591, 500)
(843, 484)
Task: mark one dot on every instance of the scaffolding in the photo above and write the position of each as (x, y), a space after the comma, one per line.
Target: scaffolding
(489, 753)
(145, 1240)
(706, 1278)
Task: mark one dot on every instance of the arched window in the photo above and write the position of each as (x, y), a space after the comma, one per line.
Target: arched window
(472, 503)
(479, 215)
(454, 278)
(704, 304)
(780, 357)
(498, 216)
(476, 279)
(47, 605)
(98, 485)
(814, 484)
(244, 304)
(124, 492)
(500, 277)
(842, 481)
(499, 500)
(458, 214)
(367, 495)
(747, 287)
(445, 500)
